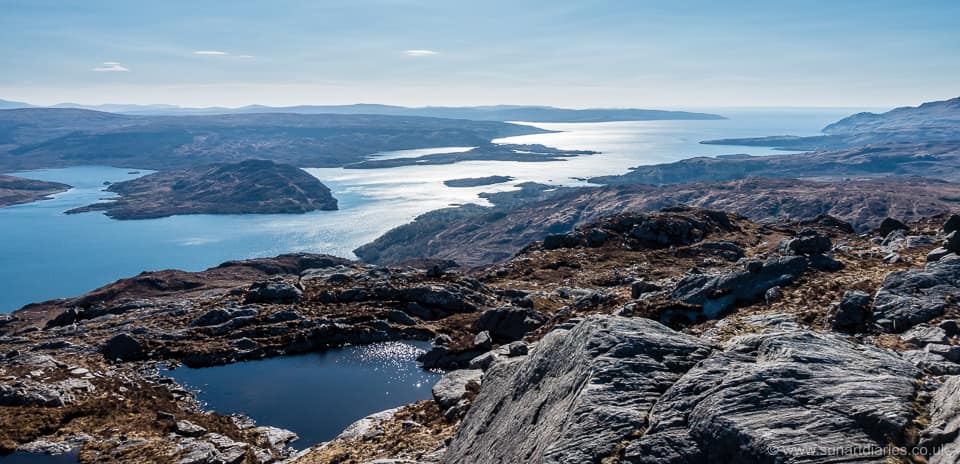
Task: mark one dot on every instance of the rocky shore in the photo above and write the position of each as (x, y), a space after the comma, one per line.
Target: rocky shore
(17, 190)
(685, 335)
(247, 187)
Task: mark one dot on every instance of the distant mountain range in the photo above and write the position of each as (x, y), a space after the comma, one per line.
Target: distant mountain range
(477, 113)
(930, 122)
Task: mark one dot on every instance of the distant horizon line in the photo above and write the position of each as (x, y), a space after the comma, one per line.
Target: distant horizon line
(425, 106)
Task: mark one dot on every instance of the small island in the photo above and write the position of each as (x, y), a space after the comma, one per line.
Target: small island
(247, 187)
(17, 190)
(534, 153)
(477, 181)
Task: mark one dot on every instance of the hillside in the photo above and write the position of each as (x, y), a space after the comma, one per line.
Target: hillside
(44, 138)
(477, 236)
(629, 336)
(248, 187)
(930, 122)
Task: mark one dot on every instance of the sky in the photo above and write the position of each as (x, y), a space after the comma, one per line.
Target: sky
(631, 53)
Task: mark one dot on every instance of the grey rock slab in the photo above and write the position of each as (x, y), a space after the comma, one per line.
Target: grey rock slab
(781, 396)
(453, 386)
(576, 395)
(908, 298)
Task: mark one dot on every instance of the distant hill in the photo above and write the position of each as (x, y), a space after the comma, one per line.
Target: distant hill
(476, 113)
(46, 137)
(7, 104)
(248, 187)
(930, 122)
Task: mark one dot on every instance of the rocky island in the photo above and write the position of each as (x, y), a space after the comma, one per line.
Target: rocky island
(248, 187)
(17, 190)
(477, 181)
(486, 152)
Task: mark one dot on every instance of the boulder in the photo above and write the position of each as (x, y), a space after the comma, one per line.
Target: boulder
(952, 242)
(400, 317)
(936, 254)
(509, 323)
(577, 396)
(123, 347)
(952, 224)
(220, 315)
(807, 242)
(188, 429)
(273, 291)
(452, 387)
(715, 293)
(908, 298)
(483, 340)
(823, 262)
(559, 241)
(924, 334)
(435, 296)
(852, 312)
(781, 396)
(889, 225)
(641, 287)
(943, 432)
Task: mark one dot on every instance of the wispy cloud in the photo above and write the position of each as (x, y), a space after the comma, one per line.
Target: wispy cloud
(419, 52)
(111, 66)
(210, 52)
(246, 57)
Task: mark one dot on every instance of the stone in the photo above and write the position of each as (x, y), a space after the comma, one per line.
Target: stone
(596, 237)
(931, 363)
(715, 293)
(641, 287)
(773, 294)
(577, 396)
(780, 396)
(452, 387)
(936, 254)
(558, 241)
(367, 428)
(807, 242)
(483, 362)
(908, 298)
(220, 315)
(949, 352)
(274, 291)
(889, 225)
(952, 242)
(951, 327)
(188, 429)
(943, 431)
(508, 323)
(277, 437)
(924, 334)
(400, 317)
(123, 347)
(517, 349)
(823, 262)
(952, 224)
(483, 340)
(435, 296)
(852, 311)
(165, 416)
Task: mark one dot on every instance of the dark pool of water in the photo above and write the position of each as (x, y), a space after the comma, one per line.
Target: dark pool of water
(316, 395)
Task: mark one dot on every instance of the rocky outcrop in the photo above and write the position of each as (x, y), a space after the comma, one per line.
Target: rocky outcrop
(577, 396)
(782, 396)
(942, 436)
(634, 390)
(908, 298)
(507, 324)
(714, 293)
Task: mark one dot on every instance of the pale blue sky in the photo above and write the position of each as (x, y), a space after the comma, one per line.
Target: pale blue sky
(564, 53)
